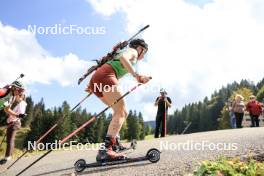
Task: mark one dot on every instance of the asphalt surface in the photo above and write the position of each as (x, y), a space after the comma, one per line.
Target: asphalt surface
(180, 155)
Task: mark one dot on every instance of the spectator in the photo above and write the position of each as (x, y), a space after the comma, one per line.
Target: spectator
(231, 113)
(15, 109)
(163, 102)
(238, 107)
(254, 108)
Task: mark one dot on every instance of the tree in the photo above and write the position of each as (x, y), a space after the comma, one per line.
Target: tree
(141, 126)
(133, 126)
(148, 130)
(29, 111)
(245, 92)
(37, 124)
(260, 94)
(224, 122)
(99, 130)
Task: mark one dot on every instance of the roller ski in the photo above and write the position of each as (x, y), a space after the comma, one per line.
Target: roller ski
(153, 155)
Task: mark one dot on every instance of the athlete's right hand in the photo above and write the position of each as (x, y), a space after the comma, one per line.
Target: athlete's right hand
(21, 116)
(143, 79)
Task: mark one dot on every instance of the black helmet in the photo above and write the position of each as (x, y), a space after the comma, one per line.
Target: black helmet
(18, 84)
(138, 42)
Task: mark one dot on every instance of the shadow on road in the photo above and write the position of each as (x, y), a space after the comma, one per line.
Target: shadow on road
(94, 170)
(107, 168)
(52, 172)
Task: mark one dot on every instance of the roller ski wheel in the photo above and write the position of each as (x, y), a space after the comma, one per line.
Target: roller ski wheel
(80, 165)
(153, 155)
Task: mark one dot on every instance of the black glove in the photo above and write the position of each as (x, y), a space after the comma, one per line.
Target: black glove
(21, 116)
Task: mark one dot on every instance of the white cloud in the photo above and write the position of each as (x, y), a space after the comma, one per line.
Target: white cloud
(21, 53)
(194, 51)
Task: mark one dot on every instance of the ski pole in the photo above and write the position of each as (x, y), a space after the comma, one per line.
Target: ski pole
(80, 128)
(165, 125)
(185, 129)
(141, 30)
(109, 55)
(49, 131)
(20, 76)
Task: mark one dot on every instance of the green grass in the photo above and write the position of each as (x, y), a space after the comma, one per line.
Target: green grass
(149, 137)
(230, 167)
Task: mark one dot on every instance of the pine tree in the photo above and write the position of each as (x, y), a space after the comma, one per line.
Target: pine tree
(141, 126)
(148, 130)
(99, 130)
(29, 111)
(133, 126)
(37, 124)
(260, 94)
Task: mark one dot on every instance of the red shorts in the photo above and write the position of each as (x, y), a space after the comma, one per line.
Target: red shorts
(104, 77)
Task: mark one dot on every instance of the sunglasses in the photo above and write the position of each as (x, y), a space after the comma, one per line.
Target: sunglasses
(19, 90)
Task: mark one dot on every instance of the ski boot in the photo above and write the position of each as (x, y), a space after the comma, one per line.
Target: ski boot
(118, 147)
(106, 152)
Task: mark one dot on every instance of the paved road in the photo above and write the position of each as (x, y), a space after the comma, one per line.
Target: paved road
(176, 157)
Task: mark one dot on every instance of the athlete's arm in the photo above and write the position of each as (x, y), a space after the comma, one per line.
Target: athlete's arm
(126, 59)
(9, 111)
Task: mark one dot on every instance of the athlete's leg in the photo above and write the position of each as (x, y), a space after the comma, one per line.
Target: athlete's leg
(120, 112)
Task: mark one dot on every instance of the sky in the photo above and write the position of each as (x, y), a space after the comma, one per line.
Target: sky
(195, 47)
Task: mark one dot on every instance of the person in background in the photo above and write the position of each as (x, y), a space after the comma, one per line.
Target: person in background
(163, 102)
(254, 108)
(15, 109)
(238, 107)
(231, 113)
(9, 92)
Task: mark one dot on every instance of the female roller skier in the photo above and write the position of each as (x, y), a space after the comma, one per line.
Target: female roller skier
(107, 76)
